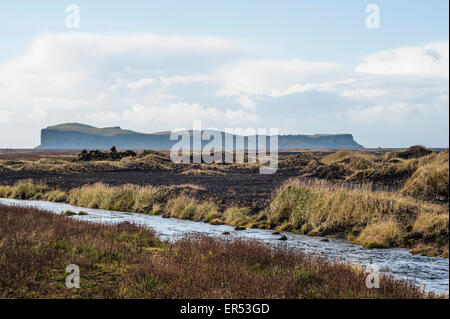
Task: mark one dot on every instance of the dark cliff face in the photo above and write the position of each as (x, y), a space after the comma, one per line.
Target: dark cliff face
(57, 139)
(76, 137)
(338, 141)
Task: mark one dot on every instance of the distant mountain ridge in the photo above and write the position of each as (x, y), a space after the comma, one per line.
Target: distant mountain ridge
(82, 136)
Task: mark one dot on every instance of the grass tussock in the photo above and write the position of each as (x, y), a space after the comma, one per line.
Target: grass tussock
(237, 216)
(127, 198)
(127, 261)
(433, 227)
(382, 234)
(25, 190)
(352, 160)
(373, 218)
(184, 207)
(430, 181)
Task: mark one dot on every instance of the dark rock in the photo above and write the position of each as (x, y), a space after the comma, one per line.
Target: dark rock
(225, 233)
(165, 216)
(330, 172)
(148, 209)
(272, 225)
(97, 155)
(325, 240)
(413, 236)
(261, 218)
(276, 233)
(283, 237)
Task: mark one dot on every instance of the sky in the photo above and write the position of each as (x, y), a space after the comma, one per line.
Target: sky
(303, 67)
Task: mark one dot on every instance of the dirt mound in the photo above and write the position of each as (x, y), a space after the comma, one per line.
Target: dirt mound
(296, 161)
(414, 152)
(331, 172)
(356, 162)
(391, 177)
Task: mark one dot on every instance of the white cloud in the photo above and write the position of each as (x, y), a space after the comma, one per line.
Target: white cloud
(5, 116)
(103, 117)
(145, 43)
(263, 77)
(246, 103)
(133, 71)
(362, 94)
(182, 114)
(186, 79)
(63, 77)
(141, 83)
(431, 60)
(78, 65)
(302, 88)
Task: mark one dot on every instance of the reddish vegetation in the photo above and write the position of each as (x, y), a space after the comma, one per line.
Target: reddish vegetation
(128, 261)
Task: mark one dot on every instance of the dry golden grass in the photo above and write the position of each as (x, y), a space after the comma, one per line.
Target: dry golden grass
(318, 208)
(431, 179)
(120, 198)
(432, 225)
(188, 208)
(351, 159)
(381, 234)
(237, 216)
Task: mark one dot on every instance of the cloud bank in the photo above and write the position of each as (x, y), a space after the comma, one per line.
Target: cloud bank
(151, 82)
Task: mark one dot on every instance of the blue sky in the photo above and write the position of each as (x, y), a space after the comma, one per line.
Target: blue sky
(301, 66)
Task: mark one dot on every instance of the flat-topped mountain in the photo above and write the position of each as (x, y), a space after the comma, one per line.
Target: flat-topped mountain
(81, 136)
